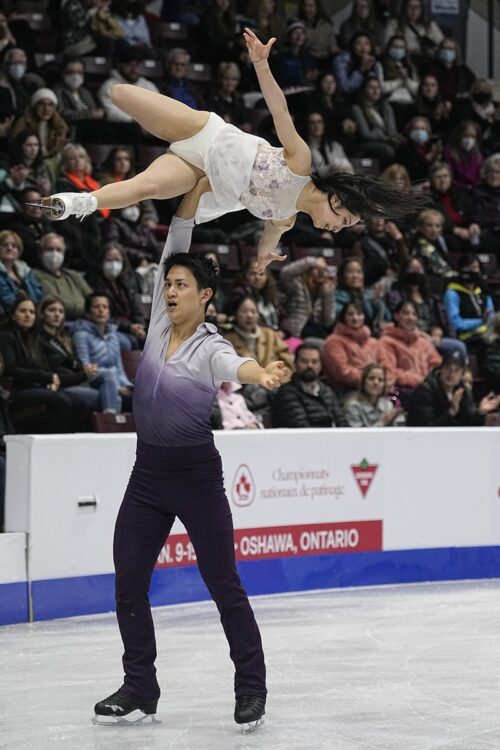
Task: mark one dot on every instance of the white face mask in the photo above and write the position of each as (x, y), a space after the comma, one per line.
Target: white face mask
(112, 268)
(17, 70)
(53, 260)
(132, 213)
(468, 143)
(73, 81)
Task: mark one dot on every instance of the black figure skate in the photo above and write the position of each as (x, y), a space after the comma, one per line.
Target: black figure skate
(123, 708)
(249, 712)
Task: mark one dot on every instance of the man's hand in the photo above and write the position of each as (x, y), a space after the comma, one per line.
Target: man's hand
(489, 403)
(90, 370)
(138, 330)
(273, 375)
(256, 50)
(124, 390)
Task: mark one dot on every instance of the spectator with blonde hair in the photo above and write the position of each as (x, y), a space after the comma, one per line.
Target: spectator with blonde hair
(15, 275)
(370, 407)
(430, 247)
(76, 171)
(226, 100)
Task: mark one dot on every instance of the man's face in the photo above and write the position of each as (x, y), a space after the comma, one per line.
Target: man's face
(177, 67)
(131, 71)
(308, 364)
(32, 212)
(431, 228)
(451, 375)
(183, 298)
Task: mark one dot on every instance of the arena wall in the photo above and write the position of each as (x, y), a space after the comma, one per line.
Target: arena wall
(312, 509)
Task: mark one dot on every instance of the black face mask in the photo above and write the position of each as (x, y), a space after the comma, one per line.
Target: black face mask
(471, 276)
(482, 98)
(307, 376)
(412, 278)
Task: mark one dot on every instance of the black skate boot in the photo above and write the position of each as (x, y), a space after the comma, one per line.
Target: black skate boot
(123, 708)
(249, 712)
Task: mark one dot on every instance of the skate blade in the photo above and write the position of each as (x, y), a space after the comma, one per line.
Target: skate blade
(39, 205)
(130, 720)
(251, 726)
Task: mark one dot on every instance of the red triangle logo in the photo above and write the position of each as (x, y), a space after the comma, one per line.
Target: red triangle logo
(364, 474)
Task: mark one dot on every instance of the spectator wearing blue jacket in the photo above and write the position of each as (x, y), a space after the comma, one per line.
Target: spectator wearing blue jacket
(96, 343)
(352, 67)
(15, 275)
(469, 307)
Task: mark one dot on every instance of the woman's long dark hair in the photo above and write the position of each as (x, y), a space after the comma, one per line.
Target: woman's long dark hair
(16, 154)
(269, 292)
(108, 165)
(370, 197)
(29, 340)
(61, 335)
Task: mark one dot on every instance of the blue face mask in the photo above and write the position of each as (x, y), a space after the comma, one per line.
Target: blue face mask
(397, 53)
(447, 55)
(419, 135)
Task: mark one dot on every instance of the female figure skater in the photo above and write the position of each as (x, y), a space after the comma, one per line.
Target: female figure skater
(178, 473)
(244, 170)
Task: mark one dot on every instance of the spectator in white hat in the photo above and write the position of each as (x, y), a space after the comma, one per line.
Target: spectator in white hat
(42, 117)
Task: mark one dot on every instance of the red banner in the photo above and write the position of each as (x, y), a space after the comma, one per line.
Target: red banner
(284, 541)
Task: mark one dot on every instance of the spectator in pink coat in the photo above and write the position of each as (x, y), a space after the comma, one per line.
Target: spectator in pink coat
(235, 413)
(405, 351)
(349, 349)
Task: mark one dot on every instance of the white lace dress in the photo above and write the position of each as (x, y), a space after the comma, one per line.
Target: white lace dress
(244, 172)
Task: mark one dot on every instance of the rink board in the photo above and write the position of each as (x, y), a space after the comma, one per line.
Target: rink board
(13, 579)
(312, 509)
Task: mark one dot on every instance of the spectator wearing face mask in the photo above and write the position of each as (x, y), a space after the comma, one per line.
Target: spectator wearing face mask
(57, 281)
(469, 306)
(126, 228)
(114, 276)
(76, 104)
(463, 155)
(455, 78)
(21, 82)
(478, 106)
(31, 224)
(421, 149)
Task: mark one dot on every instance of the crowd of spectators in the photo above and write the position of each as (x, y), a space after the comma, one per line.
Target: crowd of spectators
(376, 325)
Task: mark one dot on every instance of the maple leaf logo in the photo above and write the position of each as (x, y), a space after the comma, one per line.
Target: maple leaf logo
(364, 474)
(243, 490)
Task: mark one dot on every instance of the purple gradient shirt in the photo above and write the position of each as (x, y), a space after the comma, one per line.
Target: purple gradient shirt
(173, 399)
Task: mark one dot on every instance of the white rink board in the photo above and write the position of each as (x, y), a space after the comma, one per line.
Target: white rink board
(13, 558)
(430, 488)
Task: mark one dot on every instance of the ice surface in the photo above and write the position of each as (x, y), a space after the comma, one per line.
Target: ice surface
(390, 668)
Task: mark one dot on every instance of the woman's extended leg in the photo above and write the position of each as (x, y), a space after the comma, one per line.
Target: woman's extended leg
(160, 115)
(166, 177)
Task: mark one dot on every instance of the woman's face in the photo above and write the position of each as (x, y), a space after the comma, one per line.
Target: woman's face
(375, 383)
(331, 219)
(362, 46)
(354, 275)
(44, 109)
(53, 315)
(328, 85)
(31, 147)
(254, 279)
(265, 7)
(415, 266)
(470, 132)
(230, 82)
(441, 181)
(492, 177)
(316, 125)
(430, 87)
(76, 161)
(247, 316)
(406, 318)
(122, 163)
(9, 249)
(113, 254)
(413, 10)
(297, 37)
(373, 91)
(354, 318)
(420, 123)
(25, 315)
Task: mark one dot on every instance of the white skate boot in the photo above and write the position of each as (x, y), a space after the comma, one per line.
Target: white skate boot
(62, 205)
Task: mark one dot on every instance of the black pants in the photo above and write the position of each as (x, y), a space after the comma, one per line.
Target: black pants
(185, 482)
(63, 412)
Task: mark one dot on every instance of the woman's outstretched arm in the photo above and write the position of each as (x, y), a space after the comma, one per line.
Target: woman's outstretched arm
(296, 149)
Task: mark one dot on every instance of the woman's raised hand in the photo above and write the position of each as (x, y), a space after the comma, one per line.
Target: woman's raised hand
(256, 50)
